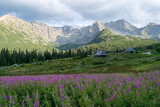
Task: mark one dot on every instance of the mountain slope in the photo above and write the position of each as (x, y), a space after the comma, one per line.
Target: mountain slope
(67, 34)
(109, 41)
(121, 27)
(152, 30)
(15, 33)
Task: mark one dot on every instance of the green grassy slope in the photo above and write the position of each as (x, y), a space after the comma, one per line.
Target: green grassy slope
(13, 37)
(108, 41)
(114, 63)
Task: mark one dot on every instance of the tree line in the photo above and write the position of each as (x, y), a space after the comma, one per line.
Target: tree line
(18, 56)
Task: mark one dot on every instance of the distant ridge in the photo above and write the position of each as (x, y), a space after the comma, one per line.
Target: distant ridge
(41, 33)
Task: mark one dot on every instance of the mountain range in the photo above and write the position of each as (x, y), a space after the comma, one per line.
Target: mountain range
(69, 34)
(16, 31)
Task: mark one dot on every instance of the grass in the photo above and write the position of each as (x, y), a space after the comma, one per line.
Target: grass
(13, 38)
(114, 63)
(81, 90)
(119, 80)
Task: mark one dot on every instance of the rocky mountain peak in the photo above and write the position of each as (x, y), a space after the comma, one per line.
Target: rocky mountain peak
(125, 24)
(8, 17)
(121, 21)
(121, 27)
(39, 23)
(97, 22)
(99, 25)
(152, 24)
(67, 29)
(12, 20)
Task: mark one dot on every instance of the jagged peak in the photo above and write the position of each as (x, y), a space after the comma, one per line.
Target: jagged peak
(97, 23)
(67, 26)
(152, 24)
(121, 21)
(36, 22)
(8, 16)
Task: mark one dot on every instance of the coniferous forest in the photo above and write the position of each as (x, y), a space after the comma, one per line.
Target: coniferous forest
(8, 57)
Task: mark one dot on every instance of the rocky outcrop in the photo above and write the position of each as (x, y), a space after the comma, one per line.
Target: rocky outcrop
(121, 27)
(36, 31)
(68, 34)
(152, 30)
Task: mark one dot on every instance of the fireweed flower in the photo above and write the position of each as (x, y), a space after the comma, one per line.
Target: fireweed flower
(91, 82)
(27, 97)
(4, 97)
(78, 86)
(63, 90)
(136, 85)
(158, 83)
(11, 99)
(112, 96)
(56, 92)
(107, 93)
(118, 84)
(129, 89)
(36, 104)
(82, 87)
(64, 96)
(108, 83)
(22, 104)
(60, 86)
(71, 86)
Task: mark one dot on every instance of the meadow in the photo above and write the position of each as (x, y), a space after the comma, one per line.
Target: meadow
(114, 63)
(120, 80)
(81, 90)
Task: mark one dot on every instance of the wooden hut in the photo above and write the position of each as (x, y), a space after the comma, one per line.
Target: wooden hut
(100, 53)
(129, 50)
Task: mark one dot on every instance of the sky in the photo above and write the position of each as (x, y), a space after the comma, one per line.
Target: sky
(80, 13)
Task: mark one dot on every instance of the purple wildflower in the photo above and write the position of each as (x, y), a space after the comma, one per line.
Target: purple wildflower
(60, 86)
(71, 86)
(36, 104)
(112, 96)
(27, 97)
(129, 89)
(56, 92)
(118, 84)
(4, 97)
(64, 96)
(11, 99)
(78, 86)
(136, 85)
(22, 104)
(63, 90)
(82, 88)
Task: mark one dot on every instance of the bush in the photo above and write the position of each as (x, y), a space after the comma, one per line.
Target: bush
(98, 62)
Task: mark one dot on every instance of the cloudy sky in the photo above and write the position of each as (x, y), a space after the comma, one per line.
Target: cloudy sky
(83, 12)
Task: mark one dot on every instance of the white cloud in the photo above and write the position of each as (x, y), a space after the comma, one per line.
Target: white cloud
(83, 12)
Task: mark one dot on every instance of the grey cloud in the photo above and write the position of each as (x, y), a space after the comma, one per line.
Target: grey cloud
(80, 12)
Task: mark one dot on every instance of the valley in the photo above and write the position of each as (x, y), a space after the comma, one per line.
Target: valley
(46, 66)
(16, 33)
